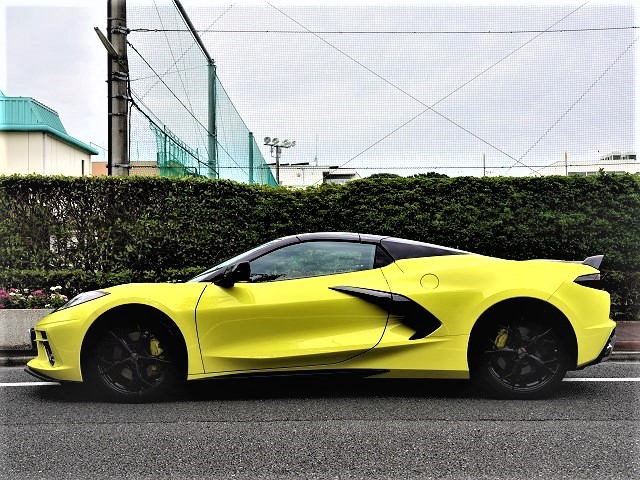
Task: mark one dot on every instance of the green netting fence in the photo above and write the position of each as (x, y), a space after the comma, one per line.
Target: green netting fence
(181, 116)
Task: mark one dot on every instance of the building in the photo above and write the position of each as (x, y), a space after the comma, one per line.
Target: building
(301, 175)
(615, 162)
(33, 140)
(138, 168)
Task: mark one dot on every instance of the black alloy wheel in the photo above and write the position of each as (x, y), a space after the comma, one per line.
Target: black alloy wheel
(132, 362)
(520, 358)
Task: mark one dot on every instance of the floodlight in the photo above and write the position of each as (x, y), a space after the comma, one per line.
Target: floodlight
(267, 139)
(285, 143)
(275, 141)
(293, 144)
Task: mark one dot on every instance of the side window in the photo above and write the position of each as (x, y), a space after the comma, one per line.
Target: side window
(311, 259)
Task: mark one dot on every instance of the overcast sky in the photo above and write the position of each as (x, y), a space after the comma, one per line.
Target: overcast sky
(563, 91)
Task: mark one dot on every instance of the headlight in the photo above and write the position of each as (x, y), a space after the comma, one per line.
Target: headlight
(84, 297)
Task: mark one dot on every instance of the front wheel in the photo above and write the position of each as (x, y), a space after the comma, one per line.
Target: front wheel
(132, 362)
(520, 359)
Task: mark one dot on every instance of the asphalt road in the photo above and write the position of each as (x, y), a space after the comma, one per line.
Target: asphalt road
(326, 429)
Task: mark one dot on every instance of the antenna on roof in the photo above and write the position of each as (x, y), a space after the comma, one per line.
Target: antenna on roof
(316, 159)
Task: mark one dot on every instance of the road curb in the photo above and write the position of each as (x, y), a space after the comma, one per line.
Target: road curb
(625, 356)
(14, 361)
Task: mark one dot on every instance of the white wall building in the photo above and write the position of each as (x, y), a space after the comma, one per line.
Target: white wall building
(33, 140)
(303, 175)
(615, 162)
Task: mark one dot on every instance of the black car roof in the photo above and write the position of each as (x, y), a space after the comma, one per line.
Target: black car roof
(367, 238)
(339, 236)
(398, 248)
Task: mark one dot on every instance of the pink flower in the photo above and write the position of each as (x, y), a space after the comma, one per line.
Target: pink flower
(37, 292)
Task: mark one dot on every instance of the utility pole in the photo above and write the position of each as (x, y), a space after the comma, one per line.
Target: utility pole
(566, 166)
(118, 88)
(274, 143)
(484, 164)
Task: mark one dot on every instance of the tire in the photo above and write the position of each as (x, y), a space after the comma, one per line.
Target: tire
(519, 359)
(132, 362)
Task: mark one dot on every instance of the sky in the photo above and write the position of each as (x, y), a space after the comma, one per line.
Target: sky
(339, 95)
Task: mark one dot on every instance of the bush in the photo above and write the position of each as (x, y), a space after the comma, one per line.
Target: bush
(77, 281)
(27, 298)
(86, 233)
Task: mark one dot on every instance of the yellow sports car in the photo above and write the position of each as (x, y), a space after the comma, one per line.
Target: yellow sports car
(376, 306)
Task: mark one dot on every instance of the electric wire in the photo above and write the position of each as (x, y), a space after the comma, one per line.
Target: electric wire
(593, 84)
(184, 88)
(392, 32)
(413, 97)
(169, 69)
(157, 123)
(452, 167)
(428, 107)
(181, 103)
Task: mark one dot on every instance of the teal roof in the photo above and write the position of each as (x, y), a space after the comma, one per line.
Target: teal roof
(24, 114)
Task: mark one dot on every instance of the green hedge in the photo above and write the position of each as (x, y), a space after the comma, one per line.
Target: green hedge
(91, 232)
(76, 281)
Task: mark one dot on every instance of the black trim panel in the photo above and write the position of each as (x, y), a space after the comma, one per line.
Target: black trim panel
(400, 248)
(42, 376)
(353, 372)
(412, 314)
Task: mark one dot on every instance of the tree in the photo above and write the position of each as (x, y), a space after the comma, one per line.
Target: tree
(385, 175)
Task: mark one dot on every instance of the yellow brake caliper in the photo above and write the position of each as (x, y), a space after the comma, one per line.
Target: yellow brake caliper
(156, 351)
(501, 338)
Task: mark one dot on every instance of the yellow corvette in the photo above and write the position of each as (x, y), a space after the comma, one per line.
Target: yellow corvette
(329, 302)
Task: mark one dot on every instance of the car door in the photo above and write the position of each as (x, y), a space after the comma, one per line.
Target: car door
(287, 315)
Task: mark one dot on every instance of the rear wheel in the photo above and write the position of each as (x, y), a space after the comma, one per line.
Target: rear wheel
(519, 358)
(132, 361)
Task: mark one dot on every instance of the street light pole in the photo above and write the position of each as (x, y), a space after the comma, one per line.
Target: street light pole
(275, 143)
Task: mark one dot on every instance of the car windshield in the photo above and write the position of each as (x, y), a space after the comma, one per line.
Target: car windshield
(230, 261)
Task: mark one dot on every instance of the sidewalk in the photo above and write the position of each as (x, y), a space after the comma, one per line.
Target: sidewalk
(628, 334)
(628, 341)
(627, 347)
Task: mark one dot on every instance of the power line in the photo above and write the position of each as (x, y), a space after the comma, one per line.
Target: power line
(413, 97)
(392, 32)
(156, 124)
(578, 100)
(178, 70)
(175, 63)
(471, 80)
(179, 101)
(453, 167)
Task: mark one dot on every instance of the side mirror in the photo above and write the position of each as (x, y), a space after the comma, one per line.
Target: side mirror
(240, 272)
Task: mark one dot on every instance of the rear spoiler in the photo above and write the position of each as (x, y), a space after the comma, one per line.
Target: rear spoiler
(594, 261)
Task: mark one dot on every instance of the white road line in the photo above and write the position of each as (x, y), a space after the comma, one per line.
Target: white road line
(574, 379)
(618, 379)
(27, 384)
